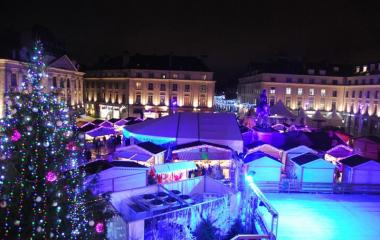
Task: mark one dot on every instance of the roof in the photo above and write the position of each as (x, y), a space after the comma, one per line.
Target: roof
(151, 147)
(129, 164)
(340, 151)
(87, 128)
(305, 158)
(280, 110)
(354, 160)
(189, 127)
(257, 155)
(374, 139)
(101, 131)
(198, 143)
(154, 62)
(97, 121)
(96, 166)
(113, 120)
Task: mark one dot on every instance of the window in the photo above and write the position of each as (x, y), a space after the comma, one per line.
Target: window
(150, 99)
(311, 92)
(310, 71)
(360, 94)
(357, 69)
(363, 81)
(110, 85)
(300, 80)
(371, 81)
(311, 81)
(55, 82)
(203, 88)
(272, 90)
(349, 82)
(151, 75)
(116, 85)
(322, 104)
(162, 87)
(324, 81)
(299, 103)
(13, 80)
(288, 91)
(287, 102)
(347, 94)
(138, 85)
(335, 82)
(368, 94)
(187, 76)
(202, 100)
(150, 86)
(138, 99)
(187, 88)
(174, 87)
(204, 76)
(289, 80)
(68, 83)
(62, 84)
(272, 79)
(124, 99)
(175, 75)
(323, 92)
(163, 75)
(187, 101)
(365, 68)
(333, 106)
(353, 94)
(299, 91)
(356, 82)
(139, 75)
(162, 99)
(124, 85)
(335, 93)
(174, 101)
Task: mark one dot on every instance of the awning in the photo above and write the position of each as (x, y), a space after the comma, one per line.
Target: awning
(106, 124)
(174, 167)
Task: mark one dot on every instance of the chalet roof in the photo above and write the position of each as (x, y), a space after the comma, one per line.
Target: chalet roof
(354, 160)
(257, 155)
(305, 158)
(151, 147)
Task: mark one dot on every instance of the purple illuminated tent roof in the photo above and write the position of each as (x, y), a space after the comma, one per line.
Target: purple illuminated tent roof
(101, 131)
(97, 121)
(87, 128)
(354, 160)
(106, 124)
(121, 122)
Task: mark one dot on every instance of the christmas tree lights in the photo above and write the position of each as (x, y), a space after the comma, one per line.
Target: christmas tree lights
(41, 182)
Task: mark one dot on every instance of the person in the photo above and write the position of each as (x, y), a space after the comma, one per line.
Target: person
(118, 140)
(203, 171)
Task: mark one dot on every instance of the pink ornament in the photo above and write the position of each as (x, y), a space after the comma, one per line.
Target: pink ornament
(71, 146)
(99, 227)
(16, 135)
(51, 176)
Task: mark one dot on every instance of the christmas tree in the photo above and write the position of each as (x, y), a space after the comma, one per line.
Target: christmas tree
(262, 112)
(41, 184)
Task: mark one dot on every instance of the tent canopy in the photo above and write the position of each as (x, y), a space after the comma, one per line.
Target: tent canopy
(279, 110)
(101, 131)
(189, 127)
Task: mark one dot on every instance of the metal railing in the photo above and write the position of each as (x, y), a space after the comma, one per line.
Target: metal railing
(250, 237)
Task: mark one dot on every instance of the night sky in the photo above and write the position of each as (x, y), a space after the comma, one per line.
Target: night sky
(230, 33)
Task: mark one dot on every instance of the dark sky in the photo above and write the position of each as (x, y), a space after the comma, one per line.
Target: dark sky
(231, 32)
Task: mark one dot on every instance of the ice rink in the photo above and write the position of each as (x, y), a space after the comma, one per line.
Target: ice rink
(327, 216)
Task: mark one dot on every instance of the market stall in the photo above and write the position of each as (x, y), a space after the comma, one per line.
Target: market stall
(338, 153)
(175, 171)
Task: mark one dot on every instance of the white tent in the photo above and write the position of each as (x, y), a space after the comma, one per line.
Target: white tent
(279, 110)
(334, 119)
(302, 118)
(101, 131)
(310, 168)
(264, 167)
(268, 149)
(360, 170)
(145, 153)
(180, 128)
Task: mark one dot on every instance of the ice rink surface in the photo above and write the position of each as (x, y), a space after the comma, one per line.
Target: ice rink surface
(327, 216)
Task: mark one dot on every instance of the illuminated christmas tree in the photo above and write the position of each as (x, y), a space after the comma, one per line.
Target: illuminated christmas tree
(262, 112)
(41, 183)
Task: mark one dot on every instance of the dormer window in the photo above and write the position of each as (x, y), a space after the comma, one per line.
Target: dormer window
(310, 71)
(336, 69)
(357, 69)
(322, 72)
(365, 68)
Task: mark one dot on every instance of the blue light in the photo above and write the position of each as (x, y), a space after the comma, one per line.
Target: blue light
(147, 138)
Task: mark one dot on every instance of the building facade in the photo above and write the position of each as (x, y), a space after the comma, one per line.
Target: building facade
(63, 76)
(326, 89)
(151, 86)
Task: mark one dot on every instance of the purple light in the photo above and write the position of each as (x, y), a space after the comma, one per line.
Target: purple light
(99, 227)
(15, 136)
(51, 176)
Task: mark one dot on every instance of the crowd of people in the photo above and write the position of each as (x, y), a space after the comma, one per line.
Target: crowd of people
(102, 145)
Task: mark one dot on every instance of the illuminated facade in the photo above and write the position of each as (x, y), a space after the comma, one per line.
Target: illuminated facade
(324, 89)
(142, 87)
(63, 76)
